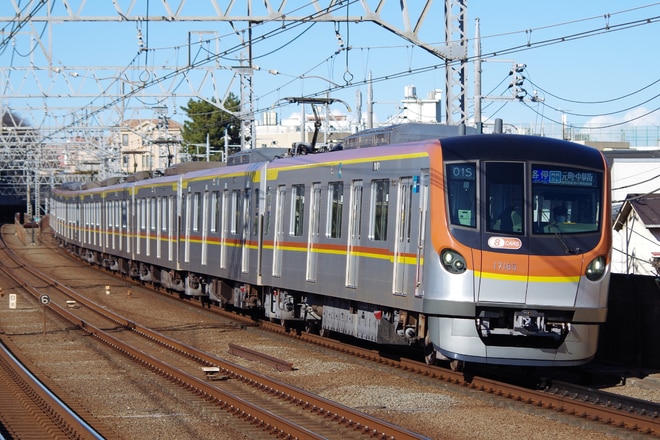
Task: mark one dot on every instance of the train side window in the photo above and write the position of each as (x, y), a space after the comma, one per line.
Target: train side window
(297, 210)
(505, 182)
(462, 193)
(335, 209)
(380, 193)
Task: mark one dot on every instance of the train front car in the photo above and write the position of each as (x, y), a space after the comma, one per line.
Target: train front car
(521, 232)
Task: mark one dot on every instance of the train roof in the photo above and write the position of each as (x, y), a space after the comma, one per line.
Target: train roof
(400, 133)
(481, 147)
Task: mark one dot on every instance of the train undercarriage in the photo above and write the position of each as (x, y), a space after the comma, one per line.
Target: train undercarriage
(300, 310)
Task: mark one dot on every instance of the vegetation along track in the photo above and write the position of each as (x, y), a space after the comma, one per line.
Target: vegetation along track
(275, 407)
(589, 404)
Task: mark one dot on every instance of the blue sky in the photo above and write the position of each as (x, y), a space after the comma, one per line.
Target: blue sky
(602, 72)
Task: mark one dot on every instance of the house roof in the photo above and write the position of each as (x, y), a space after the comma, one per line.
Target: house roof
(647, 208)
(133, 123)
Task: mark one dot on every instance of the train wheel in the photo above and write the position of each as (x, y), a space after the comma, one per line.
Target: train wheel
(456, 365)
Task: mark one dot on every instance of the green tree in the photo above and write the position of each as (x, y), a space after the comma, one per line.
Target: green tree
(204, 117)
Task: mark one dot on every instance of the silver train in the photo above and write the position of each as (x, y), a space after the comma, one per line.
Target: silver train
(479, 248)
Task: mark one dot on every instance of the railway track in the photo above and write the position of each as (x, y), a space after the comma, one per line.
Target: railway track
(580, 402)
(255, 400)
(30, 409)
(590, 405)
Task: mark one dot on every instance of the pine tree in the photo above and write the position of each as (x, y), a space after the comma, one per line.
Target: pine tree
(207, 117)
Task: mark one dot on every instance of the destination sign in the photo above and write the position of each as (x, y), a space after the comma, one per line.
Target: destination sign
(564, 177)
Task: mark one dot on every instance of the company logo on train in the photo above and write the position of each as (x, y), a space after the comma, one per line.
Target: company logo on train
(479, 248)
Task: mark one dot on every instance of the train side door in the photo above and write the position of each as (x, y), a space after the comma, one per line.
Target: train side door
(245, 232)
(313, 232)
(224, 229)
(402, 237)
(422, 187)
(354, 221)
(204, 213)
(279, 231)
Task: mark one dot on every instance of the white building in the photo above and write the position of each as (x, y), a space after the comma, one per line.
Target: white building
(636, 237)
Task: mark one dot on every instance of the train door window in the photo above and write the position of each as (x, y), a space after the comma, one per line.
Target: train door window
(205, 228)
(297, 210)
(462, 194)
(215, 211)
(380, 193)
(279, 231)
(236, 211)
(195, 212)
(255, 215)
(245, 231)
(224, 229)
(163, 213)
(354, 233)
(335, 207)
(143, 214)
(188, 227)
(504, 197)
(152, 214)
(313, 231)
(269, 207)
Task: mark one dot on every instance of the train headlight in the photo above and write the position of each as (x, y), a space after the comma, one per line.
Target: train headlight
(596, 268)
(453, 261)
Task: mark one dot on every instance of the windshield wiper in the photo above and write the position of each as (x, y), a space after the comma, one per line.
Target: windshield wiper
(555, 228)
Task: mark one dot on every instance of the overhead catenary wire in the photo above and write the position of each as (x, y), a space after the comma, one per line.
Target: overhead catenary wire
(385, 77)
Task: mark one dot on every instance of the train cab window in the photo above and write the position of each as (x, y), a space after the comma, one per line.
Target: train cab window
(335, 208)
(297, 210)
(462, 194)
(380, 192)
(505, 183)
(565, 200)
